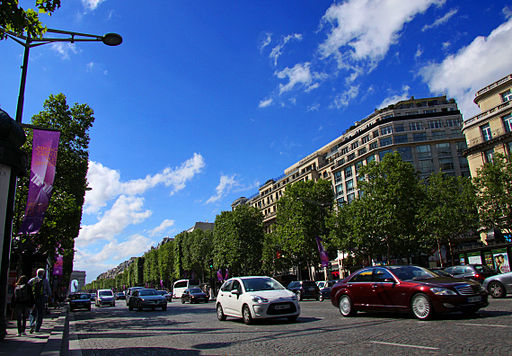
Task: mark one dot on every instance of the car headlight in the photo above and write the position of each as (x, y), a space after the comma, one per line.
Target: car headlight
(259, 300)
(294, 297)
(442, 291)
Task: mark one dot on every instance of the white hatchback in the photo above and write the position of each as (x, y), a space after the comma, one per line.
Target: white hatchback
(256, 297)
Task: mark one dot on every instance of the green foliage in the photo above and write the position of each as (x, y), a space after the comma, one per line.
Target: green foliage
(238, 240)
(301, 217)
(15, 19)
(494, 194)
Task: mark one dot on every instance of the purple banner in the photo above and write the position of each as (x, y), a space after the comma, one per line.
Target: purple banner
(42, 172)
(58, 267)
(324, 259)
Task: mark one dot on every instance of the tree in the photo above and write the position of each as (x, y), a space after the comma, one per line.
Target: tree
(61, 224)
(16, 19)
(238, 240)
(383, 219)
(301, 218)
(448, 211)
(494, 194)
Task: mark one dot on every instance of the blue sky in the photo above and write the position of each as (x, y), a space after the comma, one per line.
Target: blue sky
(204, 101)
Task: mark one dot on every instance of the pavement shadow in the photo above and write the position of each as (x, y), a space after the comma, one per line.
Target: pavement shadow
(153, 351)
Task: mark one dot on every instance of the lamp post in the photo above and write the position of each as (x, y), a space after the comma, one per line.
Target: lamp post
(8, 176)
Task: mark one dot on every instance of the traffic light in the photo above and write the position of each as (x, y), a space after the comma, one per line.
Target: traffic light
(210, 264)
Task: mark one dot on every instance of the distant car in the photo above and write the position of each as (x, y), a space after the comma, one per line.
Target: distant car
(129, 293)
(93, 297)
(105, 297)
(147, 298)
(79, 301)
(256, 297)
(406, 288)
(498, 285)
(120, 295)
(305, 289)
(194, 295)
(475, 272)
(439, 271)
(325, 289)
(166, 294)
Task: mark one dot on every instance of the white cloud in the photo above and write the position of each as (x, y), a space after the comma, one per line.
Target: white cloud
(64, 49)
(507, 12)
(277, 51)
(91, 4)
(265, 103)
(162, 227)
(419, 52)
(90, 66)
(266, 41)
(106, 183)
(441, 20)
(225, 185)
(365, 29)
(343, 99)
(395, 98)
(300, 75)
(487, 59)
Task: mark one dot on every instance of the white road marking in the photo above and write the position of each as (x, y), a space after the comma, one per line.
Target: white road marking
(488, 325)
(405, 345)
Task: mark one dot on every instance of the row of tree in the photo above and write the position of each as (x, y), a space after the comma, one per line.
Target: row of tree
(396, 216)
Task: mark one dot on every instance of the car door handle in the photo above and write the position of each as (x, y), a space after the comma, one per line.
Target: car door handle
(374, 286)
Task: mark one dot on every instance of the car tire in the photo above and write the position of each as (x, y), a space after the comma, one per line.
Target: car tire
(496, 289)
(300, 296)
(422, 307)
(317, 298)
(346, 306)
(220, 313)
(164, 307)
(182, 301)
(246, 315)
(293, 319)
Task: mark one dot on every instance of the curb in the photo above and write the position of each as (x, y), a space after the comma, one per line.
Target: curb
(53, 346)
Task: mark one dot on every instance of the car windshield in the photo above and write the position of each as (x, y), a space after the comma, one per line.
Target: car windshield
(161, 292)
(413, 273)
(308, 284)
(105, 293)
(148, 292)
(195, 290)
(257, 284)
(79, 296)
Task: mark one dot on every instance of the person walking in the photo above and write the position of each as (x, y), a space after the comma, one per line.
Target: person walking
(22, 300)
(41, 291)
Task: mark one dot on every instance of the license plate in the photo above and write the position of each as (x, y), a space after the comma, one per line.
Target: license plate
(281, 307)
(474, 299)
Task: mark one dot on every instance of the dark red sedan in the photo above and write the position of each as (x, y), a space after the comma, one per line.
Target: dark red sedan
(406, 288)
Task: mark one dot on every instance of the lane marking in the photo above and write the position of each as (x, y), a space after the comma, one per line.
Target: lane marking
(405, 345)
(487, 325)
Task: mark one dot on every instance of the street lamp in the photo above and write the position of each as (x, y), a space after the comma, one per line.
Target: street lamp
(7, 174)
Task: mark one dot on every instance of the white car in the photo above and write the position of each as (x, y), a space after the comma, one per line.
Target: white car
(256, 297)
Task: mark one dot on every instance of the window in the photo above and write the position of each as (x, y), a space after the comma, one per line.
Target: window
(453, 122)
(349, 185)
(401, 139)
(354, 145)
(386, 141)
(370, 159)
(361, 151)
(344, 150)
(446, 164)
(383, 153)
(506, 96)
(419, 137)
(461, 146)
(339, 190)
(374, 145)
(380, 275)
(486, 132)
(358, 166)
(386, 130)
(399, 128)
(415, 126)
(463, 162)
(435, 124)
(350, 197)
(488, 155)
(425, 166)
(405, 153)
(351, 156)
(364, 276)
(507, 122)
(375, 133)
(443, 149)
(423, 151)
(365, 139)
(436, 135)
(337, 177)
(509, 147)
(348, 172)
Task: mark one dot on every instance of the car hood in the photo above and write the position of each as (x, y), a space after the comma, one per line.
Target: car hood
(445, 282)
(273, 295)
(498, 277)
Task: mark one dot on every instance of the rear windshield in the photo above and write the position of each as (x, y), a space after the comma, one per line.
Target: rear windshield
(148, 292)
(79, 296)
(308, 284)
(105, 293)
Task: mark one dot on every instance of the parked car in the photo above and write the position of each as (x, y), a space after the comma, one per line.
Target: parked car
(474, 272)
(129, 293)
(305, 289)
(325, 289)
(498, 285)
(406, 288)
(79, 301)
(166, 294)
(105, 297)
(256, 297)
(194, 295)
(120, 295)
(147, 298)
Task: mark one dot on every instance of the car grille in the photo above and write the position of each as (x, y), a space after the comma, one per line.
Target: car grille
(467, 289)
(281, 308)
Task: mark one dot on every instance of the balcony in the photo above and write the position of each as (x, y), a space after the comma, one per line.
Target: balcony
(491, 112)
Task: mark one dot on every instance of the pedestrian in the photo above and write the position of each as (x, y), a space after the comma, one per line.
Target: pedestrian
(22, 300)
(41, 291)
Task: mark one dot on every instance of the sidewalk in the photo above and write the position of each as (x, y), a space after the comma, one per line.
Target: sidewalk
(48, 341)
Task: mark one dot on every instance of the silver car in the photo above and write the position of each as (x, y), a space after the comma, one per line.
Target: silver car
(499, 285)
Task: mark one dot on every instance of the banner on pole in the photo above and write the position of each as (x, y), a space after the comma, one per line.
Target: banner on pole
(42, 173)
(324, 258)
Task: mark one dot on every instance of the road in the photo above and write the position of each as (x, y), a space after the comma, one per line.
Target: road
(320, 330)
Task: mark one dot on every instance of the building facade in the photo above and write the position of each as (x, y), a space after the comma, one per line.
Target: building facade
(490, 131)
(426, 132)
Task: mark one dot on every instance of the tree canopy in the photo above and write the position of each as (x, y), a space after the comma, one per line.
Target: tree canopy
(18, 20)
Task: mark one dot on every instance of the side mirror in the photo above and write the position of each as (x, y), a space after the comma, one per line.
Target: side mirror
(389, 280)
(235, 291)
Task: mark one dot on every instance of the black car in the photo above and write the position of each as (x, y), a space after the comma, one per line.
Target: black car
(473, 272)
(120, 295)
(79, 301)
(325, 289)
(305, 289)
(146, 298)
(194, 295)
(129, 293)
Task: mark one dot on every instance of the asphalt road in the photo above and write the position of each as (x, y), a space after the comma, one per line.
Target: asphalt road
(320, 330)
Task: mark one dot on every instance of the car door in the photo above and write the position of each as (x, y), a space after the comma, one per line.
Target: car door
(360, 288)
(233, 300)
(387, 292)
